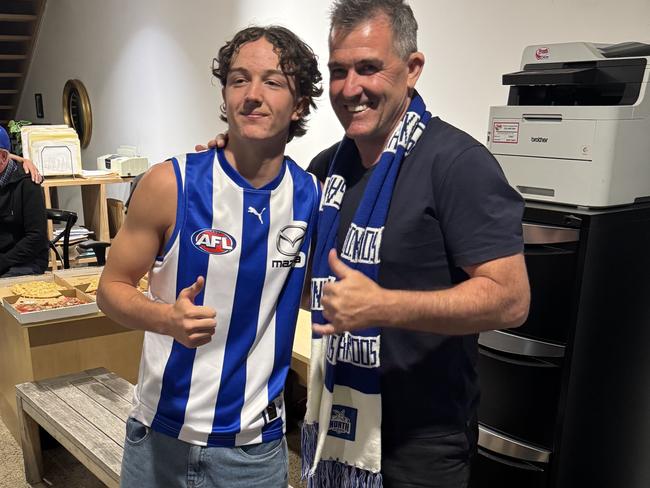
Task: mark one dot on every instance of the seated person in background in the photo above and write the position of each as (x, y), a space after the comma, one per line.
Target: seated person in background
(23, 224)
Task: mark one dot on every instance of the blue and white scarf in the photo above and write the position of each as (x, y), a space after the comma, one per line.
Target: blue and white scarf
(344, 383)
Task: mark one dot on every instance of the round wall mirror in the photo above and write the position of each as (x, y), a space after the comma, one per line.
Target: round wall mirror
(76, 110)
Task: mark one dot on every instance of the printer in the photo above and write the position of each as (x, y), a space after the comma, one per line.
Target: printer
(124, 163)
(576, 129)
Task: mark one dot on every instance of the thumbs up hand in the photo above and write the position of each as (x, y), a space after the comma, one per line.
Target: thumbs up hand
(189, 324)
(350, 302)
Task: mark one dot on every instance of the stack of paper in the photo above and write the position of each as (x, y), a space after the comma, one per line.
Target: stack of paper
(78, 233)
(54, 149)
(98, 173)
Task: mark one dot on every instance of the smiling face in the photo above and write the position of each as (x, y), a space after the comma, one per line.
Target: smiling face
(370, 84)
(260, 99)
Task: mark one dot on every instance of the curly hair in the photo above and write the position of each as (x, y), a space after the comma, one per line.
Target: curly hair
(296, 59)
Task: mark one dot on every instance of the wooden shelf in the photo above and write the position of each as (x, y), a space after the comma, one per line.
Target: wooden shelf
(11, 75)
(12, 57)
(54, 181)
(17, 17)
(13, 38)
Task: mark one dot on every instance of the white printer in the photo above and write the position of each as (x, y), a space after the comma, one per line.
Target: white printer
(124, 163)
(576, 129)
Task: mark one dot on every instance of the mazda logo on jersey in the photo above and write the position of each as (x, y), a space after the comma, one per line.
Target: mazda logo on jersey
(213, 241)
(290, 239)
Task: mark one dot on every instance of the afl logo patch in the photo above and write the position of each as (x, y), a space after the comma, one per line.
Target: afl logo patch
(213, 241)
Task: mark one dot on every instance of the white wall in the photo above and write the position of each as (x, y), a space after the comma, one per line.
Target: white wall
(469, 44)
(146, 63)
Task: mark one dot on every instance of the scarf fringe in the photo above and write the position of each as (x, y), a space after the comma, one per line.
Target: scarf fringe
(330, 473)
(334, 474)
(308, 441)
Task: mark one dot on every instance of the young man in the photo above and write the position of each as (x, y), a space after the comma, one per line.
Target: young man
(23, 224)
(423, 234)
(225, 237)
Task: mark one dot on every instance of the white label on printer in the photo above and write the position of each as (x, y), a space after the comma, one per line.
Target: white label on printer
(505, 132)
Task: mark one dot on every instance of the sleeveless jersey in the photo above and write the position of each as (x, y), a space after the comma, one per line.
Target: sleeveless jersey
(251, 245)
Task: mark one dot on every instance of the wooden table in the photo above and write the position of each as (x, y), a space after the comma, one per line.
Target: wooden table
(302, 347)
(45, 349)
(86, 412)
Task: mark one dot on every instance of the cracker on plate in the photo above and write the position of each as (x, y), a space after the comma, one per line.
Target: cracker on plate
(37, 289)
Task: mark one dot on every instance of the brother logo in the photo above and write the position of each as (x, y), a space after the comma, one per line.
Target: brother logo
(539, 139)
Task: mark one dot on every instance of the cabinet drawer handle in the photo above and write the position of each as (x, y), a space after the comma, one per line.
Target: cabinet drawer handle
(499, 340)
(546, 234)
(506, 446)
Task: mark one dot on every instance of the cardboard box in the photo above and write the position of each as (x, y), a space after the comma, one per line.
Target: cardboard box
(74, 278)
(78, 278)
(89, 307)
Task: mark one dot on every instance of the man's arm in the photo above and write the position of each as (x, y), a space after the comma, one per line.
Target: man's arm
(150, 220)
(34, 225)
(496, 296)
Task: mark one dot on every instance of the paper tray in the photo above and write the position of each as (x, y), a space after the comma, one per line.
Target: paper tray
(58, 313)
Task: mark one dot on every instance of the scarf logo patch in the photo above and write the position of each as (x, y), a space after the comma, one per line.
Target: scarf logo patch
(362, 351)
(343, 422)
(362, 244)
(333, 193)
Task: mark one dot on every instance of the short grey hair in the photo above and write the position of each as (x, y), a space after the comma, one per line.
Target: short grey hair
(348, 14)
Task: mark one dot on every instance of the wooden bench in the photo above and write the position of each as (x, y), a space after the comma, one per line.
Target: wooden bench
(85, 412)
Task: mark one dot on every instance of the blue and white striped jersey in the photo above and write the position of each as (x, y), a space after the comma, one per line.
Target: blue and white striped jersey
(251, 245)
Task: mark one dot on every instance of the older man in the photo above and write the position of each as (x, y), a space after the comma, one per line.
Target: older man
(419, 249)
(23, 224)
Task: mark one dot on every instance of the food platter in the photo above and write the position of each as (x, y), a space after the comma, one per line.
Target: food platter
(46, 298)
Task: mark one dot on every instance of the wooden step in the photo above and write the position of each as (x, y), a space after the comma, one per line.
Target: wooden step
(12, 57)
(13, 38)
(8, 92)
(17, 17)
(11, 75)
(6, 107)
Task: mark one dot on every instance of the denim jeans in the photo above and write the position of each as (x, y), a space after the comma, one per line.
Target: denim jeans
(155, 460)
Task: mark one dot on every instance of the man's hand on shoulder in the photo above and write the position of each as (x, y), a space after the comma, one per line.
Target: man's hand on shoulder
(29, 168)
(220, 141)
(192, 325)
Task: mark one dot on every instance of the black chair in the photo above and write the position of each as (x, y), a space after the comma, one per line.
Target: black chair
(70, 218)
(98, 247)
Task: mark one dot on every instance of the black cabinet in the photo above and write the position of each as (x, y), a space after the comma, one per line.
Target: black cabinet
(566, 397)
